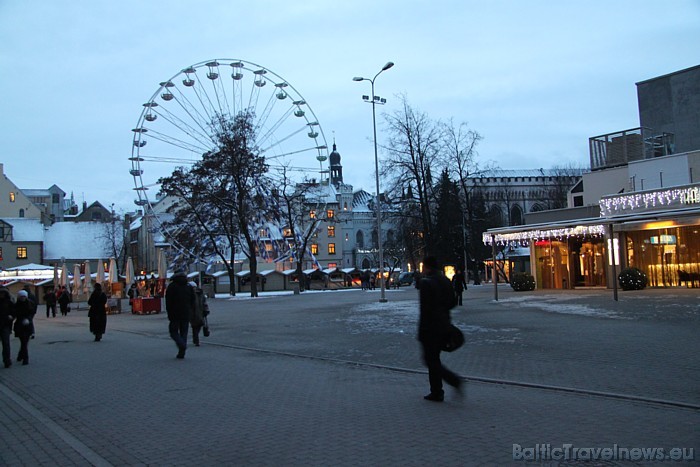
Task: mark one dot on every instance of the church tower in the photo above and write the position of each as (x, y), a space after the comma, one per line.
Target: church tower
(336, 168)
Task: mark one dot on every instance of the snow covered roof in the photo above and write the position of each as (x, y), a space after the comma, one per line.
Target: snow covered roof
(85, 240)
(31, 267)
(501, 173)
(26, 229)
(361, 200)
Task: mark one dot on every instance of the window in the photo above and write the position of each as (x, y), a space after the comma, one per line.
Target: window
(330, 213)
(55, 199)
(12, 197)
(96, 216)
(268, 247)
(314, 249)
(331, 248)
(312, 214)
(287, 232)
(345, 207)
(262, 233)
(332, 265)
(21, 252)
(331, 231)
(578, 201)
(21, 213)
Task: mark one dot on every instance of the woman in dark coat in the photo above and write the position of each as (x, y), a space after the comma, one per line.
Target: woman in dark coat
(98, 312)
(7, 316)
(24, 326)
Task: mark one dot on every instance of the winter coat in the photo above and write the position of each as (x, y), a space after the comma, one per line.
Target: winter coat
(200, 309)
(50, 298)
(24, 311)
(7, 309)
(97, 312)
(179, 299)
(437, 297)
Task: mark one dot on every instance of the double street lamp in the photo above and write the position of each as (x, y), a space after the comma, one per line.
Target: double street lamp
(374, 100)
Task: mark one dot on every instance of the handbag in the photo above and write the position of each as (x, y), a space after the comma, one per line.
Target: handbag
(453, 340)
(206, 328)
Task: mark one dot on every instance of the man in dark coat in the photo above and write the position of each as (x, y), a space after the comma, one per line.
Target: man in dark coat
(7, 317)
(179, 302)
(460, 285)
(50, 300)
(436, 299)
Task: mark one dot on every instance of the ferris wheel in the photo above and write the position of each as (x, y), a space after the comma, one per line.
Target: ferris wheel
(175, 127)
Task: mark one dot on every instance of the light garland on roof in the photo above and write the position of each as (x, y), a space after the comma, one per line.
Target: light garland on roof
(523, 238)
(623, 204)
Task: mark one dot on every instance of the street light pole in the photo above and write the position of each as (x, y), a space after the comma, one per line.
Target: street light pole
(374, 101)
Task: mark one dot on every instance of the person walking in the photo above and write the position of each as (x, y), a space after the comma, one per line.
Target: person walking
(436, 299)
(133, 294)
(200, 311)
(24, 324)
(98, 312)
(64, 301)
(179, 302)
(7, 316)
(50, 300)
(459, 285)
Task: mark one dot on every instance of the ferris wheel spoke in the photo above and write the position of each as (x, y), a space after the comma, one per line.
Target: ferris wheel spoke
(201, 135)
(291, 153)
(188, 146)
(275, 127)
(280, 141)
(194, 114)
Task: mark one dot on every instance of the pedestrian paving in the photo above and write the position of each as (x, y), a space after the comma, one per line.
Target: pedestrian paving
(316, 380)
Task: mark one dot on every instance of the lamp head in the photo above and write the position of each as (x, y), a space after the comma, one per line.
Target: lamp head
(358, 78)
(387, 66)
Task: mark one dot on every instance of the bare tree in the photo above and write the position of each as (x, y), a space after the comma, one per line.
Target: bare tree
(411, 154)
(459, 145)
(224, 199)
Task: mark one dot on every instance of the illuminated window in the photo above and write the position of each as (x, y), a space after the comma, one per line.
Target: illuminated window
(12, 197)
(312, 214)
(330, 213)
(331, 231)
(287, 232)
(21, 252)
(268, 247)
(345, 207)
(314, 249)
(331, 248)
(263, 233)
(332, 265)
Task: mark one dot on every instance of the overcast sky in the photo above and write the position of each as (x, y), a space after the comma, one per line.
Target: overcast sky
(535, 78)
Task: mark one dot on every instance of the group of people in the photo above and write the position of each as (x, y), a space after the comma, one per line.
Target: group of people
(186, 305)
(368, 280)
(62, 297)
(16, 316)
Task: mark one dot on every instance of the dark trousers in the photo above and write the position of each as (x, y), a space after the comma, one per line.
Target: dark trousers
(195, 334)
(23, 349)
(5, 333)
(178, 332)
(458, 296)
(436, 371)
(50, 309)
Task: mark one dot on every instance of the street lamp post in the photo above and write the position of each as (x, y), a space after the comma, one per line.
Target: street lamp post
(374, 100)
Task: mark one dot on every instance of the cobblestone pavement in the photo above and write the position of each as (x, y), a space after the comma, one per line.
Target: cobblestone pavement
(335, 378)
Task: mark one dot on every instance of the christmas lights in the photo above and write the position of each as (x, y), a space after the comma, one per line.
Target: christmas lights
(644, 201)
(524, 237)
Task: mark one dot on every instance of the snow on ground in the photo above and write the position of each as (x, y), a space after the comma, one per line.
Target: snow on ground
(554, 304)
